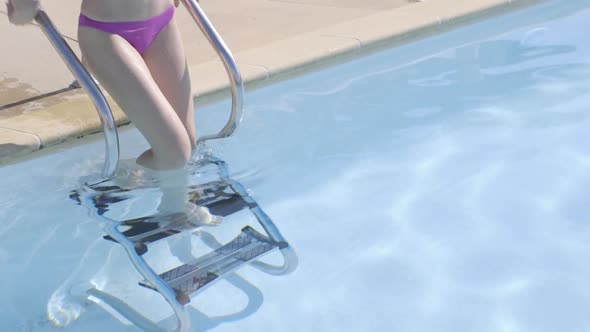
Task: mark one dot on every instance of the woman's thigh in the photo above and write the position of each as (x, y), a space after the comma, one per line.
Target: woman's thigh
(127, 78)
(166, 61)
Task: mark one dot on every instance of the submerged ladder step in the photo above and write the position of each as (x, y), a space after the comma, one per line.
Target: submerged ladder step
(146, 230)
(224, 205)
(143, 231)
(189, 278)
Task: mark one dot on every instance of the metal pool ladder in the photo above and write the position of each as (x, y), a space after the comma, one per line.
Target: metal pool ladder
(106, 116)
(223, 197)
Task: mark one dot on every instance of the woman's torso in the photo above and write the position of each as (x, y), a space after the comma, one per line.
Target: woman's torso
(123, 10)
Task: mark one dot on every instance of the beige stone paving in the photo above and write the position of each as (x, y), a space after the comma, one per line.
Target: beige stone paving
(29, 66)
(269, 38)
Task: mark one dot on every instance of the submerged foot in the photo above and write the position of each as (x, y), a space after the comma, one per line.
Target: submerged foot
(202, 215)
(193, 215)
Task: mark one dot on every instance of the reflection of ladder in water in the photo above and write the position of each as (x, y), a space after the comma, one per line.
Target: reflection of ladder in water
(223, 197)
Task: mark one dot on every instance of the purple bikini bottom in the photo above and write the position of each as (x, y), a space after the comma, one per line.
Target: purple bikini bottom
(140, 34)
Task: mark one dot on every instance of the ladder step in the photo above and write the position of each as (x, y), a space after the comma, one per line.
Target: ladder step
(224, 205)
(147, 230)
(143, 231)
(189, 278)
(216, 196)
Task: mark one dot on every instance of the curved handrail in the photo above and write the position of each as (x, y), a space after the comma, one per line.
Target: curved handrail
(182, 318)
(290, 259)
(231, 67)
(126, 310)
(111, 138)
(206, 322)
(111, 229)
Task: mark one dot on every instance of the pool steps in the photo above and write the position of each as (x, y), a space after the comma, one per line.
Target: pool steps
(194, 276)
(222, 197)
(145, 230)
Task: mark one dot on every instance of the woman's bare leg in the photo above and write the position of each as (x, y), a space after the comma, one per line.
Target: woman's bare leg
(155, 94)
(167, 63)
(125, 75)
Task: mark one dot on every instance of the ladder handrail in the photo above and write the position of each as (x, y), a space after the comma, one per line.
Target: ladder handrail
(290, 259)
(107, 120)
(231, 68)
(111, 229)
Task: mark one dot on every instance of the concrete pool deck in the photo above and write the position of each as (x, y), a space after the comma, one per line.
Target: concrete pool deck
(270, 39)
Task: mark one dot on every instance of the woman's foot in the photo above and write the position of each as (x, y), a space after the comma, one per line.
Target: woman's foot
(192, 215)
(202, 216)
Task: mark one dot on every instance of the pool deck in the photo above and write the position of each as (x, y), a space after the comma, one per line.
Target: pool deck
(271, 40)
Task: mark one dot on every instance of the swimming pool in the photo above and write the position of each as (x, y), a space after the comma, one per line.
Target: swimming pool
(439, 185)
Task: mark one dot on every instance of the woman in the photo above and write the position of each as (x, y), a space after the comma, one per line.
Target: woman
(133, 48)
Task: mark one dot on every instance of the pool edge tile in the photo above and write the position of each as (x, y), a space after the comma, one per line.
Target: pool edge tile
(296, 53)
(215, 86)
(14, 143)
(58, 123)
(367, 34)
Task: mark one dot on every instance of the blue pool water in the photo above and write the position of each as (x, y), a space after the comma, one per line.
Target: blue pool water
(442, 185)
